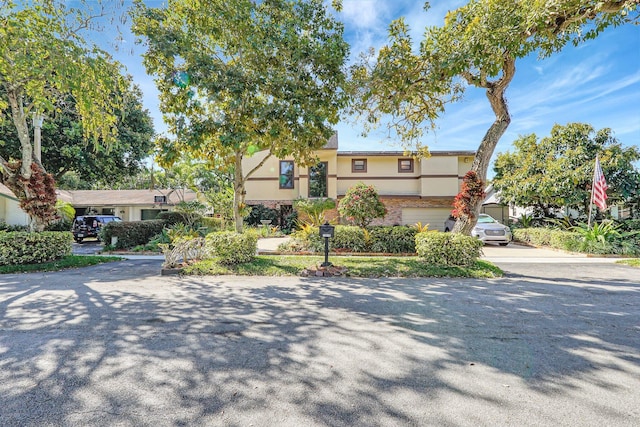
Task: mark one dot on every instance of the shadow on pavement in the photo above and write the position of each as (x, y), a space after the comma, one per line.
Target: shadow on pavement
(118, 344)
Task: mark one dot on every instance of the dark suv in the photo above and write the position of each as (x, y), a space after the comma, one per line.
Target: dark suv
(89, 226)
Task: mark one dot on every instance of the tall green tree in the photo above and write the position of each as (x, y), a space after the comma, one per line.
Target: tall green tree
(477, 46)
(43, 58)
(236, 78)
(65, 149)
(557, 171)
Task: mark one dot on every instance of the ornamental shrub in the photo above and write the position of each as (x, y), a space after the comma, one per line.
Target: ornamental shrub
(448, 249)
(349, 238)
(131, 233)
(231, 247)
(260, 212)
(361, 205)
(20, 247)
(173, 217)
(396, 239)
(471, 193)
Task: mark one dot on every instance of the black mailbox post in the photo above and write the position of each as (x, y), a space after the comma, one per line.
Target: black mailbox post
(326, 232)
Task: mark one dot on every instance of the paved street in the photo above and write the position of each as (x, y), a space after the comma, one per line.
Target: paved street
(117, 344)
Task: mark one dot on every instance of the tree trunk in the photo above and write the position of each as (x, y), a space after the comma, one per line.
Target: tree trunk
(238, 193)
(495, 93)
(30, 183)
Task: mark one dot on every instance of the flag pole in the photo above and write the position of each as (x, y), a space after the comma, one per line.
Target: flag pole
(593, 183)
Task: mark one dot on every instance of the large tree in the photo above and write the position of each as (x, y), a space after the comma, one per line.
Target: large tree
(236, 78)
(43, 58)
(477, 46)
(65, 148)
(557, 171)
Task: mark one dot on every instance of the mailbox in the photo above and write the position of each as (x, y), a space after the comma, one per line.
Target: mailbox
(326, 230)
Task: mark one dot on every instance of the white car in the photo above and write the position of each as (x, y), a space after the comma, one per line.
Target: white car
(489, 230)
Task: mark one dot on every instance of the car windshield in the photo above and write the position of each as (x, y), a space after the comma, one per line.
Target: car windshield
(486, 219)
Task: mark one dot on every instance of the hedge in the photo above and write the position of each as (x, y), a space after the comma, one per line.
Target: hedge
(231, 247)
(448, 248)
(174, 217)
(395, 240)
(540, 236)
(131, 233)
(21, 247)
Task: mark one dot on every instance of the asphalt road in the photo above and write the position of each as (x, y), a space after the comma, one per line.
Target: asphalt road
(118, 345)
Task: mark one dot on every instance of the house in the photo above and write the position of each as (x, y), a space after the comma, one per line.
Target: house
(130, 205)
(413, 190)
(10, 212)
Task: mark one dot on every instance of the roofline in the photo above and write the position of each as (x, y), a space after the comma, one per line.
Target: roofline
(404, 153)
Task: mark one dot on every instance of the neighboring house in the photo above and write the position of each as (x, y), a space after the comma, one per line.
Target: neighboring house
(413, 190)
(10, 211)
(130, 205)
(493, 206)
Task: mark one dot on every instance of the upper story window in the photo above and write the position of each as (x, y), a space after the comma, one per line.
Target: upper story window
(286, 174)
(358, 165)
(318, 180)
(405, 165)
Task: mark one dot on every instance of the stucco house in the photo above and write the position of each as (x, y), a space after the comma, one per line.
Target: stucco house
(130, 205)
(413, 190)
(10, 212)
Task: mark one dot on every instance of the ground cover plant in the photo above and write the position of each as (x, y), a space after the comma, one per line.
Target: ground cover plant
(357, 266)
(632, 262)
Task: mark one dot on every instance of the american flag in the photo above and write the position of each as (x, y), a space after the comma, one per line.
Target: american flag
(599, 191)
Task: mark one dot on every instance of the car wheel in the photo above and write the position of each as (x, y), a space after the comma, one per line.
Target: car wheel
(503, 244)
(79, 240)
(446, 230)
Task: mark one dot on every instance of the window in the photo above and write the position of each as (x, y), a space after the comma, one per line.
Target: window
(286, 174)
(318, 180)
(405, 165)
(358, 165)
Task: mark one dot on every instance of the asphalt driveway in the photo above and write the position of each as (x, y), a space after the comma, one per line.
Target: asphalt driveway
(117, 344)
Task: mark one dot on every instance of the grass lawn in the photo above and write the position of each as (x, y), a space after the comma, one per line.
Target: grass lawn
(287, 265)
(71, 261)
(635, 262)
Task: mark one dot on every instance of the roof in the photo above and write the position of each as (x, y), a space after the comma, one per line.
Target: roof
(115, 197)
(124, 197)
(404, 153)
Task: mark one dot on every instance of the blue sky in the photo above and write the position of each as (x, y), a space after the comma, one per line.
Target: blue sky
(597, 82)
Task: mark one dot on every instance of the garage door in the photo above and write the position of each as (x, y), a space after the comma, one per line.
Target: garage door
(433, 216)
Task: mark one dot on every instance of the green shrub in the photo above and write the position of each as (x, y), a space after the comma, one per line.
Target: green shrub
(6, 227)
(361, 205)
(231, 247)
(396, 239)
(260, 212)
(212, 223)
(20, 247)
(448, 248)
(350, 238)
(131, 233)
(173, 217)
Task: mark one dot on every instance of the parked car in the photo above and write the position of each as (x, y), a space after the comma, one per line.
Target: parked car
(89, 226)
(488, 229)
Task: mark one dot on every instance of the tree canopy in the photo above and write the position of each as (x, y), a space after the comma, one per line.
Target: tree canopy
(44, 57)
(65, 149)
(477, 46)
(557, 171)
(237, 78)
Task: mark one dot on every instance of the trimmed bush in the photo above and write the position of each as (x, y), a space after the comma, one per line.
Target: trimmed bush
(20, 247)
(559, 239)
(395, 240)
(448, 248)
(173, 217)
(131, 233)
(231, 247)
(349, 238)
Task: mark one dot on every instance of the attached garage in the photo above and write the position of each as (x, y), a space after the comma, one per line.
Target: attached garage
(435, 217)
